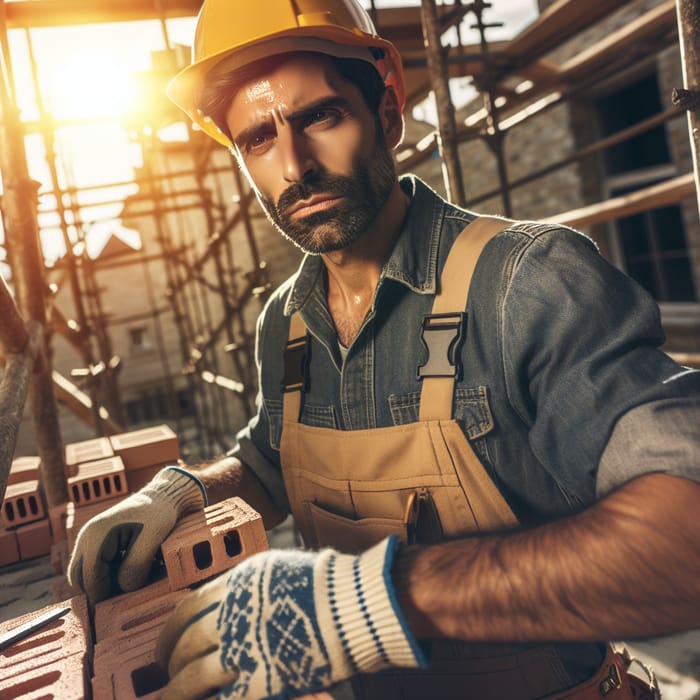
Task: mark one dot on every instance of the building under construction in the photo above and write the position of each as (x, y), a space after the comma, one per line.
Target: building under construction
(581, 118)
(146, 315)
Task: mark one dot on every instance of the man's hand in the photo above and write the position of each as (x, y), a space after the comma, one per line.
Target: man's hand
(114, 551)
(284, 624)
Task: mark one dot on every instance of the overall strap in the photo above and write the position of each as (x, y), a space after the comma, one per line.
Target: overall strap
(296, 357)
(447, 319)
(437, 391)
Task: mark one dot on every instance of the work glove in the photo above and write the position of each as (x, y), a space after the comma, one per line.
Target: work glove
(285, 623)
(114, 551)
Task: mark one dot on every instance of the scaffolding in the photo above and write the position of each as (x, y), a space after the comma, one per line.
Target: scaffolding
(210, 295)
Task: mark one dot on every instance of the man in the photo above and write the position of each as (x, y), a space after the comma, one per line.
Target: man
(487, 488)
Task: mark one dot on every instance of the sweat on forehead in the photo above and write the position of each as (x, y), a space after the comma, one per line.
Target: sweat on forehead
(255, 74)
(222, 85)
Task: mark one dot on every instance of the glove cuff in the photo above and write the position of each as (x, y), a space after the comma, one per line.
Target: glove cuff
(363, 612)
(182, 489)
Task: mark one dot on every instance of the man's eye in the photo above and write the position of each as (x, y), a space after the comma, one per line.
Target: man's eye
(258, 143)
(322, 117)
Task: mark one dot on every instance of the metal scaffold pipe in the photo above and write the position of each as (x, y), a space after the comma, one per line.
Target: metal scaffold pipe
(22, 239)
(688, 12)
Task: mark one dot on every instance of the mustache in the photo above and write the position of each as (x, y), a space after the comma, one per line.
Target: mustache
(322, 183)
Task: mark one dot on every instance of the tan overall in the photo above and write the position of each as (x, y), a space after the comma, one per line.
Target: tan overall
(423, 482)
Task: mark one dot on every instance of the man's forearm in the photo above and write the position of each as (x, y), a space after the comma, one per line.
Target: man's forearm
(227, 476)
(629, 566)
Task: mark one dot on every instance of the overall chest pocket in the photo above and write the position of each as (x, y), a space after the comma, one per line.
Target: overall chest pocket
(316, 416)
(471, 410)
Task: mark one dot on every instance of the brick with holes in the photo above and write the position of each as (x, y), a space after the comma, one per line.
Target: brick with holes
(53, 643)
(119, 616)
(97, 481)
(125, 667)
(86, 451)
(22, 504)
(212, 540)
(64, 679)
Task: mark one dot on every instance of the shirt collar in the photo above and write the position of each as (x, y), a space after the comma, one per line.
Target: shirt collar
(413, 261)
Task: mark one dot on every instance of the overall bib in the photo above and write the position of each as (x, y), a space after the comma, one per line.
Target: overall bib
(423, 482)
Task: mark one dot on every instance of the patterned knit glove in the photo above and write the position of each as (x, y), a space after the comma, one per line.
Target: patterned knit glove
(283, 624)
(114, 551)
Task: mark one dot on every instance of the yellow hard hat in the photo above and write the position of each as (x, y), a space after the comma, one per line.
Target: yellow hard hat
(240, 32)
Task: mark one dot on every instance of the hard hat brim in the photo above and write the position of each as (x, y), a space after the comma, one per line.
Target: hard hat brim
(185, 88)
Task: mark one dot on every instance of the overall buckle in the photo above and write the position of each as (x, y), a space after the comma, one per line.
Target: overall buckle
(296, 364)
(442, 336)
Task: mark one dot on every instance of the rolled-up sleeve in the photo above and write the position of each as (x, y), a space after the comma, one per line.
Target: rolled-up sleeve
(659, 436)
(586, 372)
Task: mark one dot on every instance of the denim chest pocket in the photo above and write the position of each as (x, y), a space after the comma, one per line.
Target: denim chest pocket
(316, 416)
(471, 410)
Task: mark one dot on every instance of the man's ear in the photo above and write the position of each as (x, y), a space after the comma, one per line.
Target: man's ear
(391, 118)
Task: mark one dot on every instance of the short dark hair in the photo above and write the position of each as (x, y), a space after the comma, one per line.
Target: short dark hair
(215, 97)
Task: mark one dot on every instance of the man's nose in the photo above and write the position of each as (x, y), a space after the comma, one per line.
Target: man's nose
(298, 161)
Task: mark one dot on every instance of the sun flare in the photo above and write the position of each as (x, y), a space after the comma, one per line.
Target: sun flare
(88, 87)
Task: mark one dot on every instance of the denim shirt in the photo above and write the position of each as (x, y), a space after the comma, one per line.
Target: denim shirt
(559, 345)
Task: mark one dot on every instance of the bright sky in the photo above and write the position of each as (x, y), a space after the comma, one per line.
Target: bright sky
(88, 72)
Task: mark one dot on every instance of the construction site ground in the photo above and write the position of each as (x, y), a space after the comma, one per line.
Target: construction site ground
(31, 585)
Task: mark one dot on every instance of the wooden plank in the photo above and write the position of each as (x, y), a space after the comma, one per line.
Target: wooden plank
(547, 77)
(80, 404)
(56, 13)
(669, 192)
(558, 23)
(648, 27)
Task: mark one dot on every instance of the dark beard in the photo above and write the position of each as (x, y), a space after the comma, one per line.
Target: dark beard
(363, 193)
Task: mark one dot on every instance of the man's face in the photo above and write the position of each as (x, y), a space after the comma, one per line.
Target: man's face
(313, 151)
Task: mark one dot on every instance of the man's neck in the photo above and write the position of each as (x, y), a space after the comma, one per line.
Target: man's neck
(353, 273)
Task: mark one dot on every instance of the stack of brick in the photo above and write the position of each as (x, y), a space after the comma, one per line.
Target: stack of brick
(127, 627)
(102, 471)
(204, 544)
(25, 531)
(51, 662)
(98, 471)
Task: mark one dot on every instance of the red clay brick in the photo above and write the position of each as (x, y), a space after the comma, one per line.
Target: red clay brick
(67, 636)
(87, 451)
(108, 610)
(97, 481)
(125, 669)
(138, 478)
(210, 541)
(146, 447)
(24, 469)
(22, 504)
(9, 550)
(65, 679)
(34, 539)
